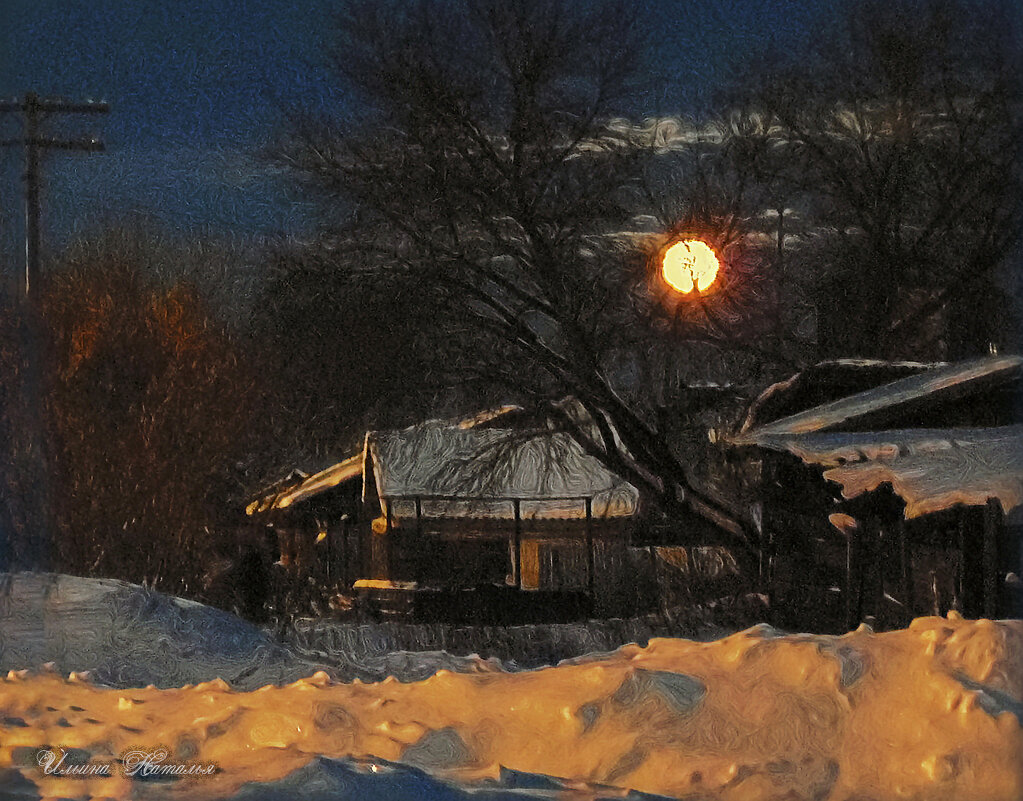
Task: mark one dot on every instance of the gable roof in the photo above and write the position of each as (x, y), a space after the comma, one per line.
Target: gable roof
(827, 381)
(477, 472)
(478, 468)
(326, 479)
(268, 496)
(930, 469)
(932, 386)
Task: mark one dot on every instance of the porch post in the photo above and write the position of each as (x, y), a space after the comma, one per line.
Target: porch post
(872, 571)
(994, 522)
(853, 581)
(589, 548)
(516, 546)
(972, 553)
(380, 545)
(905, 565)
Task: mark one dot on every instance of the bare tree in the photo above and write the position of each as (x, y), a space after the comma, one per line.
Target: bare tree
(148, 407)
(475, 162)
(900, 141)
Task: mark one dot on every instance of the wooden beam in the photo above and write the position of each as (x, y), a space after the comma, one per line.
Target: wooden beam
(994, 524)
(872, 557)
(853, 579)
(589, 548)
(380, 547)
(517, 544)
(905, 565)
(970, 579)
(654, 576)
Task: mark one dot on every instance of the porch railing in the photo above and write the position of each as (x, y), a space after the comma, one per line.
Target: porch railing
(586, 502)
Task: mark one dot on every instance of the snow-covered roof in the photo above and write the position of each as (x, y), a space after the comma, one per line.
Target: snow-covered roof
(268, 497)
(934, 385)
(310, 485)
(478, 472)
(465, 468)
(930, 469)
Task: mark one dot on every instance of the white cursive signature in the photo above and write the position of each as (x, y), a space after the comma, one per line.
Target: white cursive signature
(151, 763)
(54, 764)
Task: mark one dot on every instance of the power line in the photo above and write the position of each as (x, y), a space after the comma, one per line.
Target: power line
(37, 512)
(33, 111)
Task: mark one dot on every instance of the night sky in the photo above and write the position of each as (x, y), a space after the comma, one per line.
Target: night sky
(193, 88)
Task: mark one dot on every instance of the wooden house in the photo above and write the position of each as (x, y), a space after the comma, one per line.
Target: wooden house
(475, 519)
(898, 498)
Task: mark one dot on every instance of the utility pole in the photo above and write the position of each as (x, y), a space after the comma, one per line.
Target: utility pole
(29, 540)
(33, 111)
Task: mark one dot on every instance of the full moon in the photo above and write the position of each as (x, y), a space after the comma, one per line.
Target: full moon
(690, 264)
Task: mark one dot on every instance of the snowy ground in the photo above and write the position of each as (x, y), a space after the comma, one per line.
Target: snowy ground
(375, 651)
(932, 712)
(127, 636)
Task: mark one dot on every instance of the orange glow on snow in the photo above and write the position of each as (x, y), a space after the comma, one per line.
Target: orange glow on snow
(690, 264)
(927, 712)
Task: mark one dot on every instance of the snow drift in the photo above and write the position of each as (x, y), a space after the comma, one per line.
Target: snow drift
(930, 712)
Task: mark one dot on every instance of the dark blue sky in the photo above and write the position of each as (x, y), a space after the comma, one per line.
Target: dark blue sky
(191, 86)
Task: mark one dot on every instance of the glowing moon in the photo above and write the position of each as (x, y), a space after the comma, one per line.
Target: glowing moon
(690, 264)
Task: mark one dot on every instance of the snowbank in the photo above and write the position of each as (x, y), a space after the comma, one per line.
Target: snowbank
(125, 635)
(931, 712)
(128, 636)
